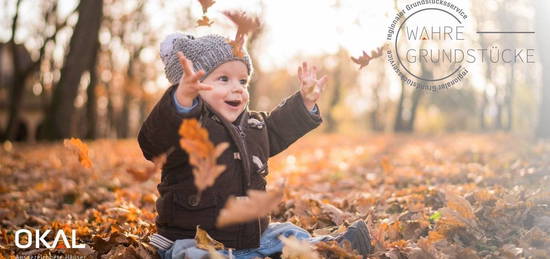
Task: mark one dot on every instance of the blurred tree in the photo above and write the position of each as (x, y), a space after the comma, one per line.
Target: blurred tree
(507, 20)
(334, 96)
(403, 124)
(542, 8)
(343, 77)
(481, 17)
(82, 52)
(377, 114)
(23, 67)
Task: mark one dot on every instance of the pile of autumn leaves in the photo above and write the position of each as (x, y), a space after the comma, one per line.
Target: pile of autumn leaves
(459, 196)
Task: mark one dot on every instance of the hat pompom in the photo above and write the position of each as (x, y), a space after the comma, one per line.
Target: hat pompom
(167, 45)
(168, 55)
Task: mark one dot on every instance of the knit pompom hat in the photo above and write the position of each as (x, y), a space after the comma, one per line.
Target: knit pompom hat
(206, 52)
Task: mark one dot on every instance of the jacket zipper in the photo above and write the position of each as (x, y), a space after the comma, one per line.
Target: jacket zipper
(243, 135)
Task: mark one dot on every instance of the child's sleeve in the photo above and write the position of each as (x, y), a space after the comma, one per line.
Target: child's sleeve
(159, 131)
(290, 121)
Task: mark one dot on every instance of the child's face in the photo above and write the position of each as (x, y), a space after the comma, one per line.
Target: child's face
(229, 94)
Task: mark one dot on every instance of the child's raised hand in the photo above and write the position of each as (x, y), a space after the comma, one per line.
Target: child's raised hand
(190, 84)
(310, 87)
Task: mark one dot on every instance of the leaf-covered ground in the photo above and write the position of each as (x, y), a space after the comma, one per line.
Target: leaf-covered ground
(451, 196)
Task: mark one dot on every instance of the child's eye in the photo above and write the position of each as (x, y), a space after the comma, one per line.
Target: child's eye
(243, 81)
(223, 78)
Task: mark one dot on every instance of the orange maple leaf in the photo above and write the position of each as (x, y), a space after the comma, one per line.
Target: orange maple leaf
(365, 59)
(204, 21)
(256, 204)
(245, 25)
(202, 154)
(76, 145)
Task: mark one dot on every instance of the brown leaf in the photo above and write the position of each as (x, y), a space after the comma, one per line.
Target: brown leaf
(245, 25)
(460, 205)
(147, 173)
(365, 59)
(204, 21)
(204, 241)
(206, 4)
(332, 249)
(336, 215)
(256, 204)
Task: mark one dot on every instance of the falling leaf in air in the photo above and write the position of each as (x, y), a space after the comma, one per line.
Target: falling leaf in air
(256, 204)
(365, 59)
(202, 154)
(204, 21)
(147, 173)
(245, 25)
(206, 4)
(77, 146)
(204, 241)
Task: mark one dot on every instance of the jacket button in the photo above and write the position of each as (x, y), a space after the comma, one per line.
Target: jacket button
(193, 200)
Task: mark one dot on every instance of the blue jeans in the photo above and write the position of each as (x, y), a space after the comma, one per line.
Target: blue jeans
(269, 244)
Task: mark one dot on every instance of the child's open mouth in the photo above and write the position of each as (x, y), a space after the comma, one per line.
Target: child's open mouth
(234, 103)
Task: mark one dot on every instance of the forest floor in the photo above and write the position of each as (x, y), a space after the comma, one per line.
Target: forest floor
(447, 196)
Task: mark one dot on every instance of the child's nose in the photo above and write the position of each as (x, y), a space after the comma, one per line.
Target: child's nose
(237, 88)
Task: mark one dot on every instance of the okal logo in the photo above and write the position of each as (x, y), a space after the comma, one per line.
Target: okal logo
(40, 239)
(429, 46)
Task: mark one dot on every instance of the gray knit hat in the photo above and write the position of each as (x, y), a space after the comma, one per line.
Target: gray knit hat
(206, 53)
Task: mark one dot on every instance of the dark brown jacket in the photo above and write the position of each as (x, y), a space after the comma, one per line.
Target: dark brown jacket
(253, 138)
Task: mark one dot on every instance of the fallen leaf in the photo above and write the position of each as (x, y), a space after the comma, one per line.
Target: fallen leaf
(333, 249)
(460, 205)
(204, 241)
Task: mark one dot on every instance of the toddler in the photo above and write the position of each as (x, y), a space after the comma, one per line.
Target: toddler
(210, 83)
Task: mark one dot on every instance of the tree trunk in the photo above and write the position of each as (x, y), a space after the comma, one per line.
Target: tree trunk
(543, 41)
(399, 124)
(18, 81)
(82, 50)
(91, 104)
(416, 96)
(123, 122)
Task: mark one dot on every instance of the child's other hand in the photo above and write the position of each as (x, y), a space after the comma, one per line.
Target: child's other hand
(190, 84)
(310, 87)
